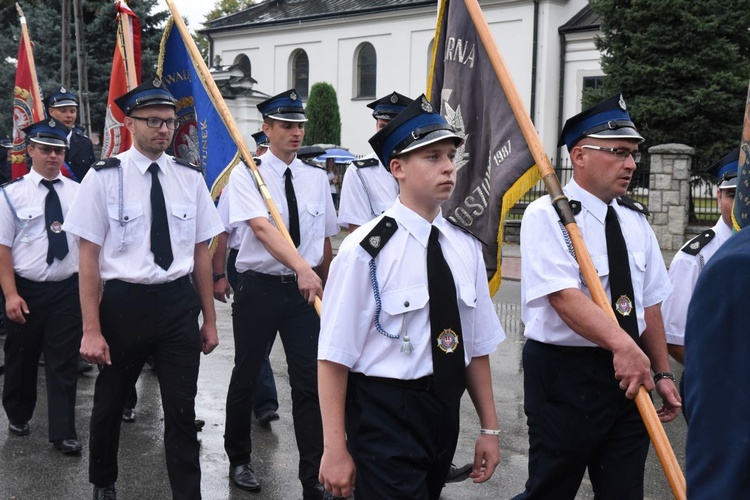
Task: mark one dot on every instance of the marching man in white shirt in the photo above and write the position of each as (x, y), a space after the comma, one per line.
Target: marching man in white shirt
(407, 326)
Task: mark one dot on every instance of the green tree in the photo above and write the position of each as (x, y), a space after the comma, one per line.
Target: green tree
(323, 118)
(44, 19)
(682, 66)
(221, 8)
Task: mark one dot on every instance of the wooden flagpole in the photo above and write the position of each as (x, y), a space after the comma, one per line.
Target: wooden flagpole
(126, 38)
(559, 200)
(38, 106)
(228, 119)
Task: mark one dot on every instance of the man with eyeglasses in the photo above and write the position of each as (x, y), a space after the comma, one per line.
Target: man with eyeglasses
(143, 219)
(39, 278)
(581, 369)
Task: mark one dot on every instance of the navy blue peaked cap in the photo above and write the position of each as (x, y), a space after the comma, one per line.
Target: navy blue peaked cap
(60, 99)
(607, 120)
(261, 139)
(149, 93)
(386, 108)
(417, 126)
(48, 131)
(286, 106)
(726, 168)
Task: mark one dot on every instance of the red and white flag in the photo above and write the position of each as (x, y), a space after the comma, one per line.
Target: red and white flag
(27, 102)
(126, 75)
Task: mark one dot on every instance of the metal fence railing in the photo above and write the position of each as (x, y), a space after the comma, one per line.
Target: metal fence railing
(638, 188)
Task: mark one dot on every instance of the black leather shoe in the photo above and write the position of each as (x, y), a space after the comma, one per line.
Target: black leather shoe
(19, 429)
(106, 493)
(318, 492)
(128, 415)
(267, 417)
(458, 474)
(199, 424)
(68, 446)
(243, 476)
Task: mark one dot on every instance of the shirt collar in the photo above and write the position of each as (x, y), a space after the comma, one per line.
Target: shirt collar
(142, 162)
(278, 166)
(593, 205)
(415, 224)
(37, 178)
(722, 230)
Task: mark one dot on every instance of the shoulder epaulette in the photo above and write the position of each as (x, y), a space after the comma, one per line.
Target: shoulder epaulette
(575, 206)
(11, 182)
(186, 163)
(632, 204)
(694, 246)
(311, 163)
(106, 163)
(367, 162)
(374, 242)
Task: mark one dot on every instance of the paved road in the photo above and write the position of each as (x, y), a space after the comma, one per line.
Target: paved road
(31, 469)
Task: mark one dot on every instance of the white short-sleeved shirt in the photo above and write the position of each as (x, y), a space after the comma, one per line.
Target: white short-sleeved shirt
(234, 231)
(122, 227)
(317, 216)
(547, 265)
(25, 233)
(366, 193)
(683, 273)
(348, 335)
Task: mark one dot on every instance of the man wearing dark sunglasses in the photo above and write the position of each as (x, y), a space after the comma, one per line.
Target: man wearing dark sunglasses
(144, 218)
(39, 278)
(581, 369)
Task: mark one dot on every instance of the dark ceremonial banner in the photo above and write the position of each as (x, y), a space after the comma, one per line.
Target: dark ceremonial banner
(741, 208)
(495, 166)
(201, 137)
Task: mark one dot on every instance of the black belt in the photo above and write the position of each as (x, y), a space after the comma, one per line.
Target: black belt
(425, 383)
(177, 284)
(21, 281)
(582, 350)
(276, 278)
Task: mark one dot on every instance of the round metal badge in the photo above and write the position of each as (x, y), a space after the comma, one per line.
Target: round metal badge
(447, 341)
(624, 305)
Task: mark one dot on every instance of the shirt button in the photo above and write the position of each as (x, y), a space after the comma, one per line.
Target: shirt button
(406, 303)
(126, 218)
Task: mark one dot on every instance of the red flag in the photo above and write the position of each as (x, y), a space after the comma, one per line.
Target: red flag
(126, 75)
(27, 107)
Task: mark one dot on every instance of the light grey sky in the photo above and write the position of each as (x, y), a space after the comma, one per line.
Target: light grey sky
(194, 10)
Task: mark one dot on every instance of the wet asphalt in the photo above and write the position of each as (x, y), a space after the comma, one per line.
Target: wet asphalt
(31, 469)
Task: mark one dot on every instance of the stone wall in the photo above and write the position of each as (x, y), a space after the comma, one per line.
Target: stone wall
(669, 190)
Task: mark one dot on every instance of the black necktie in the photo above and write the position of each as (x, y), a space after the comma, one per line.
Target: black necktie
(57, 247)
(449, 368)
(291, 203)
(161, 246)
(620, 283)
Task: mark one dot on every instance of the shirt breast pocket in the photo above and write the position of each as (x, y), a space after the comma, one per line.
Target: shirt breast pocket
(183, 217)
(314, 214)
(396, 306)
(130, 228)
(32, 220)
(638, 272)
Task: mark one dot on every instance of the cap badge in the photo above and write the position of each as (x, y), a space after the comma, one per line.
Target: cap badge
(394, 98)
(426, 106)
(157, 82)
(621, 102)
(293, 96)
(447, 341)
(374, 241)
(624, 305)
(63, 91)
